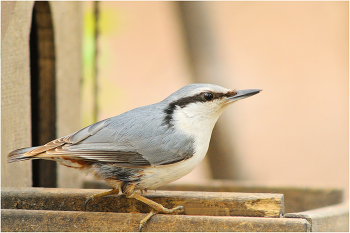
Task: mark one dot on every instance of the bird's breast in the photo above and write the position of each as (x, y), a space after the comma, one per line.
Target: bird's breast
(159, 175)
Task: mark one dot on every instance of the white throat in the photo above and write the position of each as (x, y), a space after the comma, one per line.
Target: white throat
(199, 124)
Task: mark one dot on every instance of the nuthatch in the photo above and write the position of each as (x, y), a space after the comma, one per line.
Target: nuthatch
(146, 147)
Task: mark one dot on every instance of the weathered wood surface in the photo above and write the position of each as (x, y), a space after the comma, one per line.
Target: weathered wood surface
(43, 220)
(195, 203)
(330, 218)
(16, 19)
(296, 199)
(39, 209)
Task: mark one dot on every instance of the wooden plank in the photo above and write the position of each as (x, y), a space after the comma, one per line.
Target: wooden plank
(195, 203)
(15, 90)
(331, 218)
(297, 199)
(43, 220)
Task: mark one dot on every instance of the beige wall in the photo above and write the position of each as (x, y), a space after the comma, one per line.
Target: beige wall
(293, 133)
(296, 130)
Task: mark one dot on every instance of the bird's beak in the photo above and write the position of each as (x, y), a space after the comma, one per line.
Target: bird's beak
(243, 94)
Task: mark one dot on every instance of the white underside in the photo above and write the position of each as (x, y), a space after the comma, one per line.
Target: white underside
(157, 176)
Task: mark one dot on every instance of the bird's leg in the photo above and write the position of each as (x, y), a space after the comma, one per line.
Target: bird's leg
(129, 191)
(144, 220)
(156, 206)
(97, 196)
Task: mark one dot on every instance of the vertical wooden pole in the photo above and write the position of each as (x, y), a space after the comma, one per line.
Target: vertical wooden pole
(95, 81)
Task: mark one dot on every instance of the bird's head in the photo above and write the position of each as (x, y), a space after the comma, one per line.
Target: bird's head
(200, 105)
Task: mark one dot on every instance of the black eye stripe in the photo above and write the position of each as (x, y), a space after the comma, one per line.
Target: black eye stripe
(191, 99)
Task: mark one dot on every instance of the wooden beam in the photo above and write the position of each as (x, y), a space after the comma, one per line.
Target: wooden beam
(330, 218)
(195, 203)
(296, 199)
(43, 220)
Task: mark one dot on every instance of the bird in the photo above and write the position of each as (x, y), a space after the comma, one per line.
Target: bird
(146, 147)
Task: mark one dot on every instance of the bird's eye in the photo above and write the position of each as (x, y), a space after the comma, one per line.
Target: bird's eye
(208, 96)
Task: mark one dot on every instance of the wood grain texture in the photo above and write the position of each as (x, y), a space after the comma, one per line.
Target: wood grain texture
(330, 218)
(195, 203)
(296, 198)
(15, 90)
(59, 221)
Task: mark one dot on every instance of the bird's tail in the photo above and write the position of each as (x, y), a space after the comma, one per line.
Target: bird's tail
(18, 155)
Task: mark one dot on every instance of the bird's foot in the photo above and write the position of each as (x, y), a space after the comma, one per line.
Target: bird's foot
(176, 210)
(98, 196)
(128, 190)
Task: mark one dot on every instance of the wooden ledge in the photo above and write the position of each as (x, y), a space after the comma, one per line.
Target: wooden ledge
(55, 209)
(60, 221)
(330, 218)
(296, 198)
(195, 203)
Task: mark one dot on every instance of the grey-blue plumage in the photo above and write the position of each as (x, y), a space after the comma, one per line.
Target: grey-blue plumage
(137, 137)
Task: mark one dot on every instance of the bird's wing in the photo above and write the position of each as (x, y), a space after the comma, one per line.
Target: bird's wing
(70, 139)
(125, 140)
(73, 146)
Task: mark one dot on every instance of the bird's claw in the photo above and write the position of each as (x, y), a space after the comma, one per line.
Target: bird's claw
(178, 210)
(144, 220)
(87, 201)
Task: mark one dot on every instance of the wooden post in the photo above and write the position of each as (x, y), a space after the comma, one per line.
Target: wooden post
(15, 90)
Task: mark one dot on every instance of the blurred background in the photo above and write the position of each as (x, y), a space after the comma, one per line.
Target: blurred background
(295, 132)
